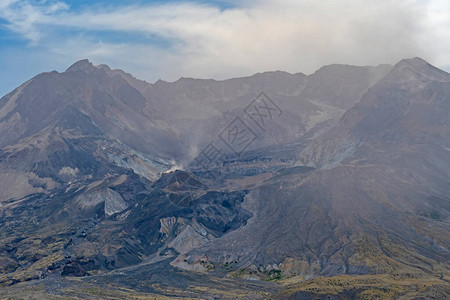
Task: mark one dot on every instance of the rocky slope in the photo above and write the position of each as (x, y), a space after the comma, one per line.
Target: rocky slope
(350, 176)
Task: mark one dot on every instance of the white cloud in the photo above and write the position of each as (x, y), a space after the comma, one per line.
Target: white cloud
(256, 36)
(435, 32)
(25, 16)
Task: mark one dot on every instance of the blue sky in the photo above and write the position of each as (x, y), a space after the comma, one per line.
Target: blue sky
(216, 39)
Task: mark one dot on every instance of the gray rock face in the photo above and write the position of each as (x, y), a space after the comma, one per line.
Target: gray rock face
(111, 200)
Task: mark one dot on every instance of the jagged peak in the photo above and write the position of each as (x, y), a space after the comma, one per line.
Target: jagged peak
(334, 69)
(274, 73)
(414, 68)
(160, 81)
(415, 61)
(104, 67)
(83, 65)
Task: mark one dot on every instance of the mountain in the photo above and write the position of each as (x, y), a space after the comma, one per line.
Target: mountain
(407, 107)
(338, 187)
(198, 110)
(89, 119)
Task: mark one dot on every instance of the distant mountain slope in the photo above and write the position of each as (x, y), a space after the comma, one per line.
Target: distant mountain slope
(382, 181)
(309, 103)
(167, 123)
(113, 105)
(408, 107)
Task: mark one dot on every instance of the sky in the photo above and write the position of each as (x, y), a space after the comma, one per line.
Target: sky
(217, 39)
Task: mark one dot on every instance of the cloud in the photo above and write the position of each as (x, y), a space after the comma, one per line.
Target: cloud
(25, 16)
(434, 32)
(203, 40)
